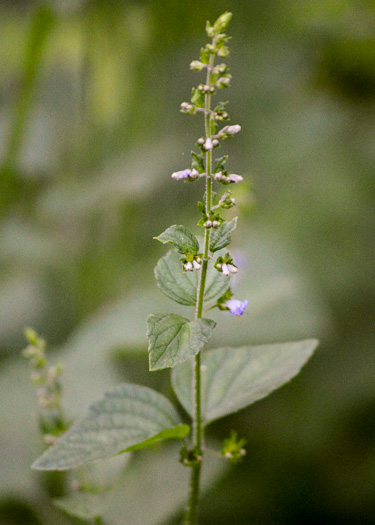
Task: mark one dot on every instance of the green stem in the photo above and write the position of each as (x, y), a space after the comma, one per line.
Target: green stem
(198, 430)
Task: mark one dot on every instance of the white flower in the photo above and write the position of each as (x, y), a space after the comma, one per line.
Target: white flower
(232, 268)
(188, 266)
(233, 129)
(235, 178)
(196, 265)
(225, 269)
(208, 144)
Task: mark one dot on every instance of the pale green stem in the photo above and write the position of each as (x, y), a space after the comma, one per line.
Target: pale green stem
(198, 431)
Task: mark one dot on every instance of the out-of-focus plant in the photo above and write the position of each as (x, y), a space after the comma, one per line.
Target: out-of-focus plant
(209, 385)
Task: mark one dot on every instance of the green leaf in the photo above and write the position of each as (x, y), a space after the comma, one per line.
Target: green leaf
(214, 127)
(181, 238)
(182, 286)
(178, 432)
(125, 416)
(197, 98)
(205, 57)
(198, 162)
(82, 505)
(220, 163)
(174, 339)
(221, 236)
(235, 378)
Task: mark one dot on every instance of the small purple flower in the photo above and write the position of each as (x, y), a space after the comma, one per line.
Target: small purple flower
(233, 177)
(181, 175)
(236, 307)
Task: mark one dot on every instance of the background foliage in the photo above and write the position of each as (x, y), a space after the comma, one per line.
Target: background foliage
(91, 131)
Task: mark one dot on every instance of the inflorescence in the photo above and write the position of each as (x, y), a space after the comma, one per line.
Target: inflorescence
(217, 78)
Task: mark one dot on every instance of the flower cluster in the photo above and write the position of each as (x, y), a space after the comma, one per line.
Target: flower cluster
(46, 377)
(203, 165)
(233, 448)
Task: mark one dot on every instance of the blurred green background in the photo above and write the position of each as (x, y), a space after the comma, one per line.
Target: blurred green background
(90, 133)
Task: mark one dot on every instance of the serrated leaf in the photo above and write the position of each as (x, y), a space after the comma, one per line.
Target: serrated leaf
(182, 286)
(220, 163)
(235, 378)
(221, 236)
(181, 238)
(197, 98)
(125, 416)
(174, 339)
(198, 162)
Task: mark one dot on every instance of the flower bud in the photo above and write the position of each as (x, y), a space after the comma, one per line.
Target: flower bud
(208, 144)
(215, 224)
(223, 82)
(234, 129)
(200, 142)
(222, 22)
(219, 176)
(196, 65)
(215, 143)
(232, 268)
(235, 178)
(208, 224)
(185, 107)
(181, 175)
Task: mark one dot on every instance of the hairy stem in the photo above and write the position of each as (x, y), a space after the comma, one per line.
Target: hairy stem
(198, 431)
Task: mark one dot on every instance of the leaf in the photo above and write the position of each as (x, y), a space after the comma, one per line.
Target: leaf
(174, 339)
(82, 505)
(235, 378)
(181, 238)
(197, 98)
(198, 162)
(220, 163)
(221, 236)
(204, 56)
(182, 286)
(125, 416)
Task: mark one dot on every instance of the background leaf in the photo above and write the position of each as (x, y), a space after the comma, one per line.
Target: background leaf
(234, 378)
(82, 505)
(174, 339)
(127, 415)
(221, 236)
(181, 238)
(182, 286)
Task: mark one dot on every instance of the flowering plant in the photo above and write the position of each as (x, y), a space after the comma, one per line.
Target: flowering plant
(209, 385)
